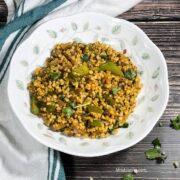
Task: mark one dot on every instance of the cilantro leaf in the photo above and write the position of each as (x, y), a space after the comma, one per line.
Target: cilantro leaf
(128, 176)
(125, 125)
(156, 143)
(130, 74)
(115, 90)
(68, 111)
(72, 104)
(153, 154)
(175, 123)
(85, 58)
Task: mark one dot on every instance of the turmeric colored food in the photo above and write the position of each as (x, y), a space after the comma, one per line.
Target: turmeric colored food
(85, 90)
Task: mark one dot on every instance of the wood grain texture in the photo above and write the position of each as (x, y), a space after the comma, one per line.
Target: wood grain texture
(160, 19)
(3, 12)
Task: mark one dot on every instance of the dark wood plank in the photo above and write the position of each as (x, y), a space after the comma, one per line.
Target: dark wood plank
(154, 10)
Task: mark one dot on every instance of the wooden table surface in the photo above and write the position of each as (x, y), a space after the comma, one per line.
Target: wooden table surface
(160, 19)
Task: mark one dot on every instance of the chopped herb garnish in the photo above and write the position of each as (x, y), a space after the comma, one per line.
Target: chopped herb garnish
(156, 153)
(95, 123)
(51, 108)
(176, 164)
(99, 96)
(61, 97)
(34, 106)
(95, 109)
(156, 143)
(125, 125)
(153, 154)
(104, 56)
(85, 58)
(128, 176)
(115, 90)
(72, 104)
(54, 75)
(109, 100)
(175, 123)
(130, 74)
(68, 111)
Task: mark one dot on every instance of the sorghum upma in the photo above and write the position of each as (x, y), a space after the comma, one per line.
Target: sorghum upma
(85, 90)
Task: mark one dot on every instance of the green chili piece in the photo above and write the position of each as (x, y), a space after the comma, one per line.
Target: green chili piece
(51, 108)
(82, 70)
(55, 75)
(34, 107)
(95, 123)
(112, 67)
(95, 109)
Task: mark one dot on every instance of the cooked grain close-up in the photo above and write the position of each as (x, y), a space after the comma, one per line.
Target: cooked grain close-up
(85, 90)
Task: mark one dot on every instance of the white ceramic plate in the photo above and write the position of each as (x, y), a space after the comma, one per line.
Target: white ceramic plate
(86, 28)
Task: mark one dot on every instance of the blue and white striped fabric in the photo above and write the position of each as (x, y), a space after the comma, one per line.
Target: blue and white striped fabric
(22, 157)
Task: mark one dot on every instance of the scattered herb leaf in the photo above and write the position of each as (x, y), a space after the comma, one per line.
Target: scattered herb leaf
(156, 143)
(128, 176)
(176, 164)
(153, 154)
(160, 124)
(175, 123)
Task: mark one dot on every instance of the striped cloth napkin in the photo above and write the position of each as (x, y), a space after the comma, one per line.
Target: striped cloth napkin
(22, 157)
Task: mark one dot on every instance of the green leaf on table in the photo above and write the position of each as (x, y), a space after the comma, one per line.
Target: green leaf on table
(128, 176)
(153, 154)
(116, 29)
(156, 143)
(52, 34)
(175, 123)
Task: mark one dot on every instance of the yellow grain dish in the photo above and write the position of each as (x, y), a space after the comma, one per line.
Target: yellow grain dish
(85, 90)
